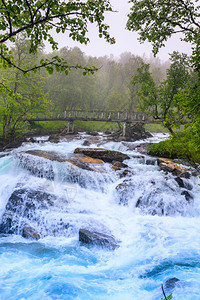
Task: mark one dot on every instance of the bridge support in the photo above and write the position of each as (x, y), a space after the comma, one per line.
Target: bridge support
(124, 130)
(70, 128)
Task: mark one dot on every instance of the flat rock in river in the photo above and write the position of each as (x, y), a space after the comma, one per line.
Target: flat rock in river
(103, 154)
(82, 161)
(169, 166)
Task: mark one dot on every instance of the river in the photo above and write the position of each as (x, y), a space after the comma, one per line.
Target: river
(158, 241)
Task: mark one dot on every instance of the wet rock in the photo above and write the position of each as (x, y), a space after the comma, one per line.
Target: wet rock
(117, 165)
(54, 139)
(171, 283)
(93, 133)
(143, 148)
(103, 154)
(130, 146)
(43, 166)
(183, 183)
(125, 173)
(30, 233)
(86, 143)
(97, 238)
(23, 206)
(187, 195)
(32, 140)
(169, 166)
(124, 192)
(179, 181)
(150, 162)
(108, 132)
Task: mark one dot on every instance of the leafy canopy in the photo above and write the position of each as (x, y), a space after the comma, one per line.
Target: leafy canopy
(157, 20)
(37, 18)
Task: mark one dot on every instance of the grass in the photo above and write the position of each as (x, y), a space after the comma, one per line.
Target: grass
(48, 127)
(92, 126)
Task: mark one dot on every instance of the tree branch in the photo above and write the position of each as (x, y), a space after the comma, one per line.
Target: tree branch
(30, 11)
(8, 17)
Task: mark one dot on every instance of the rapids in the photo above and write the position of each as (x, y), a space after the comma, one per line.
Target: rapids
(158, 240)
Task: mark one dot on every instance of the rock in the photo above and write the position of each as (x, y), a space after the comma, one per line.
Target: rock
(54, 139)
(169, 166)
(171, 283)
(86, 143)
(183, 183)
(22, 207)
(93, 133)
(124, 192)
(143, 148)
(43, 168)
(32, 140)
(179, 181)
(125, 173)
(103, 154)
(30, 233)
(97, 238)
(150, 162)
(187, 195)
(107, 132)
(117, 165)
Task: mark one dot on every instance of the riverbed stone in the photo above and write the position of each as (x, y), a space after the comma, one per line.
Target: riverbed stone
(30, 233)
(117, 165)
(169, 166)
(103, 154)
(124, 192)
(97, 238)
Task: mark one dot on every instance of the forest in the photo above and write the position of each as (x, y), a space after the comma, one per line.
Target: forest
(33, 81)
(108, 88)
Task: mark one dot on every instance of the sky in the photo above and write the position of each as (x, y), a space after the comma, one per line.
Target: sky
(126, 41)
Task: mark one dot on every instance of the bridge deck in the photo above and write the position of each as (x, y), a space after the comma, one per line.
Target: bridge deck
(102, 116)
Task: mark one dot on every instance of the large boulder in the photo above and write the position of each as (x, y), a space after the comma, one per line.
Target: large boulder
(97, 238)
(38, 162)
(103, 154)
(24, 212)
(169, 166)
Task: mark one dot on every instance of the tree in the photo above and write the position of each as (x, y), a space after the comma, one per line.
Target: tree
(160, 100)
(158, 20)
(37, 18)
(20, 95)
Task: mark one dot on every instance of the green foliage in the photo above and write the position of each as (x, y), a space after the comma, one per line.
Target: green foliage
(159, 100)
(36, 19)
(158, 20)
(181, 146)
(20, 95)
(168, 297)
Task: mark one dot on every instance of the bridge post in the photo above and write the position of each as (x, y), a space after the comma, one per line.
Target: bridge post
(70, 127)
(124, 129)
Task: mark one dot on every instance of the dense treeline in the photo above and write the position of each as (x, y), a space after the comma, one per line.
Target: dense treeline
(108, 88)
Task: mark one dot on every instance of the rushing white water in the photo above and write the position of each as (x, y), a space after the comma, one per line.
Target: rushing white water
(158, 240)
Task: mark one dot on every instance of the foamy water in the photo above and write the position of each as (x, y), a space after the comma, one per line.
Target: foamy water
(153, 247)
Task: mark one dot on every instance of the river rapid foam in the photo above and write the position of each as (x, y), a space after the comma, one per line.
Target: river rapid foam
(158, 240)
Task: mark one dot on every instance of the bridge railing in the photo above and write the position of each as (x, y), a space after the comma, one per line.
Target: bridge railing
(101, 115)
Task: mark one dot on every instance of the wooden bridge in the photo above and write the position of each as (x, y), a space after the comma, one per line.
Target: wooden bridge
(94, 115)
